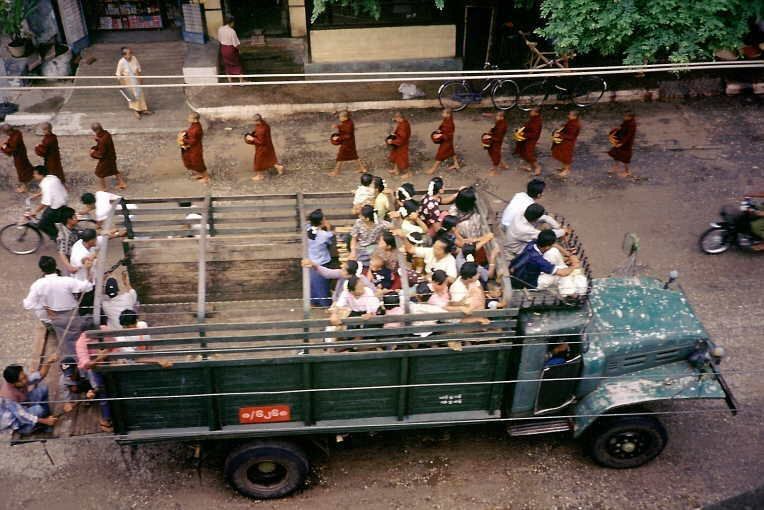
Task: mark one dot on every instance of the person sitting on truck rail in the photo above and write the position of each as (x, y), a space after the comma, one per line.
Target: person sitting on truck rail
(87, 359)
(356, 298)
(24, 399)
(526, 267)
(523, 229)
(521, 201)
(467, 293)
(575, 283)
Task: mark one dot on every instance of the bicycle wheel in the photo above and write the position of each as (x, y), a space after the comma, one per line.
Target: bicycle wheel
(587, 91)
(504, 95)
(454, 95)
(20, 239)
(531, 96)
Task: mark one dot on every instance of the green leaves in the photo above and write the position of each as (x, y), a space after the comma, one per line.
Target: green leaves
(648, 30)
(12, 15)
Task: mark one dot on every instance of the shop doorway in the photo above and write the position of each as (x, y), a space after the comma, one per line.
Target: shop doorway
(478, 34)
(269, 17)
(134, 20)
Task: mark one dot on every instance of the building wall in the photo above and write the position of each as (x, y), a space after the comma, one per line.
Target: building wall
(383, 43)
(213, 13)
(297, 22)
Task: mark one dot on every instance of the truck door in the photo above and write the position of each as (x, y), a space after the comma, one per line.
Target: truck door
(554, 393)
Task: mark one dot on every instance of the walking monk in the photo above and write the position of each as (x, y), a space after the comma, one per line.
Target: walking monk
(265, 154)
(191, 150)
(525, 147)
(622, 140)
(564, 141)
(47, 149)
(446, 148)
(106, 155)
(498, 132)
(346, 150)
(399, 143)
(14, 146)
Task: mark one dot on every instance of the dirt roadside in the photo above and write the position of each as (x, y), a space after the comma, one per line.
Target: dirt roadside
(694, 158)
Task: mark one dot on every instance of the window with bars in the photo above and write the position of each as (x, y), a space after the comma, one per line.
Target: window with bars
(392, 13)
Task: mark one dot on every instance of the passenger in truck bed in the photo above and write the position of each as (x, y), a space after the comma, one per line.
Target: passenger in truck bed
(436, 257)
(321, 240)
(524, 229)
(365, 234)
(24, 404)
(526, 268)
(357, 299)
(116, 299)
(364, 193)
(348, 269)
(467, 293)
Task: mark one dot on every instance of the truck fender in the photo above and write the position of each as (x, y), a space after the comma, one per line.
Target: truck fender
(673, 381)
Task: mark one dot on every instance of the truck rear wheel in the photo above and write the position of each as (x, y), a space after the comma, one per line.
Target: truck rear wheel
(267, 469)
(627, 441)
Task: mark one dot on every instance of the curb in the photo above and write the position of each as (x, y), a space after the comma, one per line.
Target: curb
(246, 112)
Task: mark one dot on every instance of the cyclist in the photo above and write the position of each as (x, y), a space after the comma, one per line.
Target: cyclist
(53, 197)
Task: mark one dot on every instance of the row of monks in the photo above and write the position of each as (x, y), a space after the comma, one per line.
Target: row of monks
(190, 141)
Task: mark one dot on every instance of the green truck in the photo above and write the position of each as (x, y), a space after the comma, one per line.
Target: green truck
(270, 388)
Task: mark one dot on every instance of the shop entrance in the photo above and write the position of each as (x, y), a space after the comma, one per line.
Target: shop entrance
(270, 17)
(143, 20)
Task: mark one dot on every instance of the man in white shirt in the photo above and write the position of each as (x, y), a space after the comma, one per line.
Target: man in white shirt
(229, 49)
(53, 197)
(522, 230)
(436, 257)
(98, 204)
(521, 201)
(83, 255)
(116, 302)
(53, 299)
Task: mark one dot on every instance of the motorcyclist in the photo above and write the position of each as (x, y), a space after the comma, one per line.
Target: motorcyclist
(757, 224)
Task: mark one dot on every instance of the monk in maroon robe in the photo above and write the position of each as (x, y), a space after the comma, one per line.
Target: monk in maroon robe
(346, 150)
(399, 144)
(106, 155)
(446, 148)
(191, 150)
(498, 132)
(47, 149)
(265, 154)
(526, 148)
(623, 142)
(14, 146)
(564, 142)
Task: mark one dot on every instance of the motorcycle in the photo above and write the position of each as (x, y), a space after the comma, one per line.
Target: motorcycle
(733, 229)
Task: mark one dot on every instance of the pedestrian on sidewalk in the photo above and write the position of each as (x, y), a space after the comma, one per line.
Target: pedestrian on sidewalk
(14, 146)
(622, 140)
(526, 139)
(346, 151)
(191, 150)
(564, 141)
(229, 50)
(47, 149)
(129, 75)
(106, 155)
(399, 143)
(265, 154)
(444, 136)
(498, 132)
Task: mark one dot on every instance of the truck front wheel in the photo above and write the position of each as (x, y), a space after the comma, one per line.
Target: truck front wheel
(627, 441)
(267, 469)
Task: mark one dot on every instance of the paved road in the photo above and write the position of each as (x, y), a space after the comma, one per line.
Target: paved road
(695, 157)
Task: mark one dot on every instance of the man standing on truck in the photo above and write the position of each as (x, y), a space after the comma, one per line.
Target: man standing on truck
(24, 398)
(520, 202)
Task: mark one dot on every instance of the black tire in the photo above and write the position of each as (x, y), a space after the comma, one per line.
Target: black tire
(627, 441)
(267, 469)
(531, 96)
(587, 91)
(452, 95)
(504, 95)
(714, 241)
(20, 239)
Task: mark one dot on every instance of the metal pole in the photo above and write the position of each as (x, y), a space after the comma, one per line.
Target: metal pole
(201, 295)
(305, 270)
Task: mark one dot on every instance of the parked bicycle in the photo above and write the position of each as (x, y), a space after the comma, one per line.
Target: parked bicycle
(25, 237)
(457, 95)
(583, 91)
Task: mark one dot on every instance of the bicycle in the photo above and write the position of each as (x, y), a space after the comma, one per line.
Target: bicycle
(586, 91)
(25, 237)
(458, 94)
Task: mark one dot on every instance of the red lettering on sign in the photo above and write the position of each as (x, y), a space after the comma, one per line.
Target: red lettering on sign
(265, 414)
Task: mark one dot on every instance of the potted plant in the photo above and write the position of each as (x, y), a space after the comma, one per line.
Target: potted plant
(12, 16)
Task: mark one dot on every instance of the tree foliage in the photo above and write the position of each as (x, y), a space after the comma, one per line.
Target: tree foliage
(371, 8)
(648, 30)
